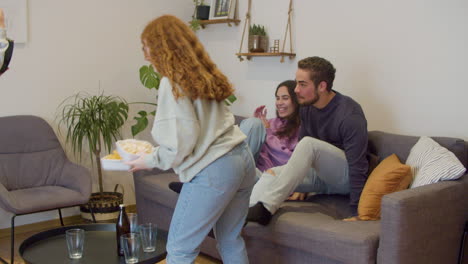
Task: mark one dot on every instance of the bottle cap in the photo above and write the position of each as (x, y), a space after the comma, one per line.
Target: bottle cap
(121, 205)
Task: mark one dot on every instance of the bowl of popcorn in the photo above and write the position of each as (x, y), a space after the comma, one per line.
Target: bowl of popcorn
(131, 149)
(113, 161)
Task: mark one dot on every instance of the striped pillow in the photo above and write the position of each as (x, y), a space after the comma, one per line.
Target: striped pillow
(430, 163)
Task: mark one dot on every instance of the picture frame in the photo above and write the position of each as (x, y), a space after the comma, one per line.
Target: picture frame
(222, 9)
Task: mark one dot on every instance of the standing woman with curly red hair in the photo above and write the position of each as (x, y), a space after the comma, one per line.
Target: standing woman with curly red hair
(198, 139)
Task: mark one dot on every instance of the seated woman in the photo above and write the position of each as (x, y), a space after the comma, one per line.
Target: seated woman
(272, 141)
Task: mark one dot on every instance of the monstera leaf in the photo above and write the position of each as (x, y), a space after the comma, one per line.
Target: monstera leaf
(149, 78)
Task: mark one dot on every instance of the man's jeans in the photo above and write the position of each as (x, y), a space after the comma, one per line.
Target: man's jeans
(315, 166)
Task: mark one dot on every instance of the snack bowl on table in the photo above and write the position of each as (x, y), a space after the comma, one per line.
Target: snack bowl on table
(129, 149)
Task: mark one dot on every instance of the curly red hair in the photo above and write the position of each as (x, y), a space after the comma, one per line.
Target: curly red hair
(177, 54)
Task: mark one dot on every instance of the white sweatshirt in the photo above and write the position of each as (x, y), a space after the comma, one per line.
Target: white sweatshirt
(191, 133)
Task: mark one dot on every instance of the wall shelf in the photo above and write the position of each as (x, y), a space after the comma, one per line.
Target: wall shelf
(266, 54)
(228, 21)
(277, 52)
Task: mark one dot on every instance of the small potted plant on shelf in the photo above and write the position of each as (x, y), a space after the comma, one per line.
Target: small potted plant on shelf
(95, 121)
(201, 12)
(258, 41)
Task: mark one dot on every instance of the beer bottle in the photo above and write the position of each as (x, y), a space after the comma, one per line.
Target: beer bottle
(122, 228)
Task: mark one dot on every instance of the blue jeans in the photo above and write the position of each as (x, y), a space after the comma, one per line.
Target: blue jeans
(217, 197)
(256, 133)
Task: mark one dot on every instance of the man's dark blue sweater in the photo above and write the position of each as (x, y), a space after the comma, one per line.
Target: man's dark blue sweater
(341, 123)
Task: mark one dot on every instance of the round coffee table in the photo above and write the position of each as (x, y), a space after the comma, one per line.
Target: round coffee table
(49, 247)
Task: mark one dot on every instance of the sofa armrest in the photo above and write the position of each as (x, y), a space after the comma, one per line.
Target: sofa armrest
(424, 224)
(153, 171)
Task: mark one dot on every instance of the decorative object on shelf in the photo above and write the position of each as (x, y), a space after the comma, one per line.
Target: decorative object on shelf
(219, 17)
(258, 40)
(95, 121)
(223, 9)
(200, 12)
(275, 48)
(274, 52)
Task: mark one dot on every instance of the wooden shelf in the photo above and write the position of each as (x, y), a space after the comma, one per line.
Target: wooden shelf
(220, 21)
(266, 54)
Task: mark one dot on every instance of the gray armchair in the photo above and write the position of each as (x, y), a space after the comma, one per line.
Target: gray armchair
(35, 174)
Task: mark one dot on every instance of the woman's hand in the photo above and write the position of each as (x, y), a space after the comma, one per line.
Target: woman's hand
(138, 164)
(261, 113)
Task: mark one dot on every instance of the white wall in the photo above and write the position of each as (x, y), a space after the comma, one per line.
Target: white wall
(403, 61)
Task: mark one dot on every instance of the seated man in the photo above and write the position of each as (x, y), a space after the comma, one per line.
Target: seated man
(332, 149)
(6, 45)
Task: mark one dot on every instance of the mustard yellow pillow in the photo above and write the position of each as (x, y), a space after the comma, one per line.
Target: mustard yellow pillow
(389, 176)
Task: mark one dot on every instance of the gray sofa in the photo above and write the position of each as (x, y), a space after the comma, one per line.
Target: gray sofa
(421, 225)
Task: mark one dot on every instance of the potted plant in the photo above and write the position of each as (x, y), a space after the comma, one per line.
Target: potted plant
(258, 41)
(201, 12)
(151, 79)
(95, 121)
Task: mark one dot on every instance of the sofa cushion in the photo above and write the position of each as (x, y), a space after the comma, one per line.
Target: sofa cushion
(431, 163)
(389, 176)
(314, 228)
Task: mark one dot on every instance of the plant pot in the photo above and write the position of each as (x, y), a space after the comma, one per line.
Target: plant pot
(203, 12)
(258, 43)
(105, 206)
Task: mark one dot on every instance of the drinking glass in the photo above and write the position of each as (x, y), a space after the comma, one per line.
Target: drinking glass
(133, 220)
(75, 241)
(148, 233)
(131, 246)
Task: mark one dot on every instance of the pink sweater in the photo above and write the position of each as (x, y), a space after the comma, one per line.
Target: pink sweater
(276, 151)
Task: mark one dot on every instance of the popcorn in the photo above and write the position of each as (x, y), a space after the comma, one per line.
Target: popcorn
(135, 147)
(130, 149)
(113, 156)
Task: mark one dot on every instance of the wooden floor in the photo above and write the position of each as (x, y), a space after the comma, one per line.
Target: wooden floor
(22, 233)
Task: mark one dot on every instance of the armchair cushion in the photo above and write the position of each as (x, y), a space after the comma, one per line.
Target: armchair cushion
(39, 199)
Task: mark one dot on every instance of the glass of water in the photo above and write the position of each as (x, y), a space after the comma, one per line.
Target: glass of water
(148, 233)
(131, 247)
(133, 220)
(75, 242)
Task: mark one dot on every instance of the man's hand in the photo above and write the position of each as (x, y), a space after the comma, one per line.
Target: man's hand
(261, 113)
(2, 18)
(297, 196)
(270, 171)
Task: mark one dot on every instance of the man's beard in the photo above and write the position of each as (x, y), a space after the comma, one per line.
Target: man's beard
(311, 102)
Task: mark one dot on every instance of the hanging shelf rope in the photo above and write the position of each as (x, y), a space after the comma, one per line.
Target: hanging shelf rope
(282, 53)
